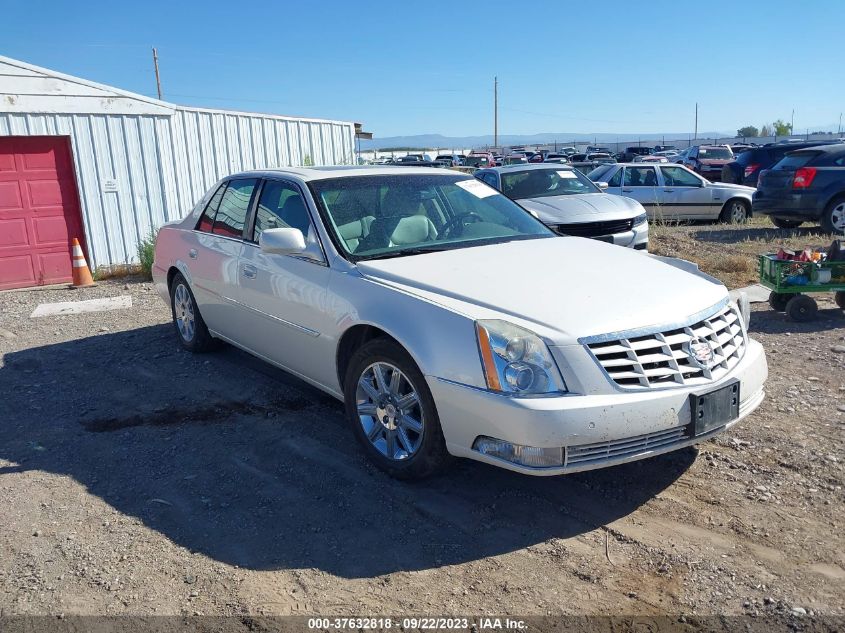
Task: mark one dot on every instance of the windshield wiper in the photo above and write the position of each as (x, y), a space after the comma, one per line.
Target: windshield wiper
(411, 250)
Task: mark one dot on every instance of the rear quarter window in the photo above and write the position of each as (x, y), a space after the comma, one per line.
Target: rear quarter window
(796, 160)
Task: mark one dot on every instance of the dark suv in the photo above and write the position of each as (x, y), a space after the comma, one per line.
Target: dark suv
(630, 152)
(747, 167)
(805, 185)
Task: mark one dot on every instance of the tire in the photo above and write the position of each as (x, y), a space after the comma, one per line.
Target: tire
(786, 224)
(839, 297)
(187, 320)
(735, 212)
(801, 308)
(778, 301)
(833, 218)
(399, 433)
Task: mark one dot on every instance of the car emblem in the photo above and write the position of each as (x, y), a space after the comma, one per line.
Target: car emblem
(701, 352)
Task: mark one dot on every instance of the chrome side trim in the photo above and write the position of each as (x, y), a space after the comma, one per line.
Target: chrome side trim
(290, 324)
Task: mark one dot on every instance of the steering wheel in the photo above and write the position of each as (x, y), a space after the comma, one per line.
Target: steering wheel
(459, 221)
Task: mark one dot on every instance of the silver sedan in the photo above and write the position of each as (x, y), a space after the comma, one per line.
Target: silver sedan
(673, 192)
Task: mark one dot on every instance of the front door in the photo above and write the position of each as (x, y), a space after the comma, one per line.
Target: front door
(640, 183)
(283, 297)
(685, 194)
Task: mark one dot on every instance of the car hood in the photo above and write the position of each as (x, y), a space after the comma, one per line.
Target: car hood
(733, 188)
(562, 288)
(582, 207)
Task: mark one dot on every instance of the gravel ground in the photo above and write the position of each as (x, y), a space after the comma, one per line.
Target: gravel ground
(136, 478)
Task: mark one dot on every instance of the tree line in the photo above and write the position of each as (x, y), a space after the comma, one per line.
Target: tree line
(778, 128)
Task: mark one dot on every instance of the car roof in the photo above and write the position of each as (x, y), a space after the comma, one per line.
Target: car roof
(529, 166)
(345, 171)
(825, 149)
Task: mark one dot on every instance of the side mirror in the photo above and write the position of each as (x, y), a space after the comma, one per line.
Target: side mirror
(602, 185)
(286, 241)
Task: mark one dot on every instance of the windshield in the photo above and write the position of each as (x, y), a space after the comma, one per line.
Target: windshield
(394, 215)
(715, 153)
(541, 183)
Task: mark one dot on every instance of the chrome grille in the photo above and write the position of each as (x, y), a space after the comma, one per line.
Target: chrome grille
(664, 359)
(618, 449)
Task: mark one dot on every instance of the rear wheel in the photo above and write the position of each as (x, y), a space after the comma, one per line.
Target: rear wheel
(801, 308)
(833, 218)
(189, 324)
(735, 212)
(786, 224)
(778, 301)
(392, 411)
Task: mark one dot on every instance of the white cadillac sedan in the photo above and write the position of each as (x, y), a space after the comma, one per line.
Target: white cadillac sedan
(450, 321)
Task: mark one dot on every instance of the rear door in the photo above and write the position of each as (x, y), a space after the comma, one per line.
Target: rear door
(213, 258)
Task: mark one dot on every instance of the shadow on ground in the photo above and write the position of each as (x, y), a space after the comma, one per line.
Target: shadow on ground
(235, 460)
(772, 234)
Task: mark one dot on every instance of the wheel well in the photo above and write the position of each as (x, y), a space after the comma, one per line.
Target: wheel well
(748, 205)
(170, 275)
(351, 340)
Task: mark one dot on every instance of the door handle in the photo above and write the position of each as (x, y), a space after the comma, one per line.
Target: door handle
(668, 191)
(249, 271)
(627, 191)
(192, 253)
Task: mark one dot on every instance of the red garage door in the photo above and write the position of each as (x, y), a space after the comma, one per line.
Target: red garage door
(39, 210)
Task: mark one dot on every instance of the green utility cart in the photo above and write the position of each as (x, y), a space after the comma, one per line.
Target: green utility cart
(791, 282)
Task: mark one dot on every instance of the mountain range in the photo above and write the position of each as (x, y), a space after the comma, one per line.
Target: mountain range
(440, 141)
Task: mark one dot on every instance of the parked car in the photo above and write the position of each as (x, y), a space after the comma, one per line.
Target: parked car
(673, 192)
(670, 154)
(556, 158)
(806, 185)
(746, 167)
(597, 149)
(665, 148)
(650, 158)
(450, 321)
(484, 159)
(706, 160)
(515, 159)
(453, 160)
(631, 153)
(569, 203)
(567, 151)
(411, 158)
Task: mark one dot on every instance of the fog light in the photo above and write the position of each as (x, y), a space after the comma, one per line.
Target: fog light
(531, 456)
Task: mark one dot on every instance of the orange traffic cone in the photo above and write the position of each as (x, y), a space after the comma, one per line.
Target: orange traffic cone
(81, 273)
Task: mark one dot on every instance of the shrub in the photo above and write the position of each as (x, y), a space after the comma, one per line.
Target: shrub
(146, 254)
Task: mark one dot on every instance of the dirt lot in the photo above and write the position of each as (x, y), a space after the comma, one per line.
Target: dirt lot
(136, 478)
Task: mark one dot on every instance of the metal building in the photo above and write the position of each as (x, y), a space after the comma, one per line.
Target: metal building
(81, 159)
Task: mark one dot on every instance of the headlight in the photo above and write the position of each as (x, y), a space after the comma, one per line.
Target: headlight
(640, 219)
(516, 361)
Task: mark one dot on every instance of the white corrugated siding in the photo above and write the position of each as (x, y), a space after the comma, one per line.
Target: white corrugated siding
(164, 163)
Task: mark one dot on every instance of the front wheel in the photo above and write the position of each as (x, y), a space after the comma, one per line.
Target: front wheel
(735, 212)
(190, 326)
(833, 219)
(392, 411)
(786, 224)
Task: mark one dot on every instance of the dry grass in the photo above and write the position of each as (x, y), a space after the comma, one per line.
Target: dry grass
(729, 251)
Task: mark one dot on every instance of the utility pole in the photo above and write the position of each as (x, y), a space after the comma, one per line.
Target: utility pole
(496, 111)
(839, 129)
(792, 122)
(158, 78)
(696, 121)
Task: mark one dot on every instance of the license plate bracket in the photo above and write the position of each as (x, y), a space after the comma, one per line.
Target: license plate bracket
(715, 408)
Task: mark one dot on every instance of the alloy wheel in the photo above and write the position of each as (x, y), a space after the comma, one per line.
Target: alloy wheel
(737, 213)
(390, 411)
(837, 217)
(183, 310)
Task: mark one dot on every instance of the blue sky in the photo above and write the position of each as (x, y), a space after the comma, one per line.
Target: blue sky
(405, 67)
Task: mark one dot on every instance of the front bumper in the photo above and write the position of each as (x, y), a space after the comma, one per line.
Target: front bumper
(636, 238)
(597, 430)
